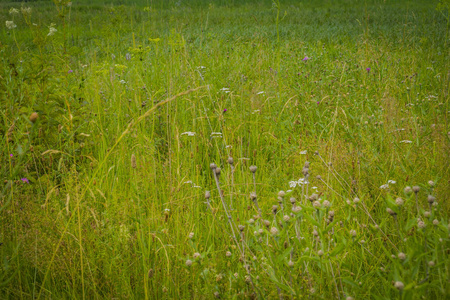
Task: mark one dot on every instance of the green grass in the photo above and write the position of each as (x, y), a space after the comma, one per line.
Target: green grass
(93, 222)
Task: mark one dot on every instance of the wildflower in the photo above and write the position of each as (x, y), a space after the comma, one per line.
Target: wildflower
(349, 298)
(435, 222)
(416, 189)
(290, 263)
(292, 200)
(26, 10)
(316, 204)
(224, 110)
(320, 252)
(267, 223)
(251, 221)
(431, 263)
(306, 58)
(315, 233)
(296, 209)
(51, 29)
(241, 228)
(326, 203)
(25, 180)
(431, 183)
(188, 133)
(405, 142)
(226, 90)
(70, 71)
(253, 169)
(368, 70)
(188, 262)
(274, 231)
(228, 254)
(399, 201)
(431, 199)
(421, 224)
(13, 11)
(253, 196)
(191, 235)
(196, 255)
(402, 256)
(304, 152)
(286, 218)
(353, 233)
(11, 155)
(356, 200)
(292, 184)
(427, 214)
(150, 273)
(216, 294)
(399, 285)
(10, 25)
(408, 190)
(384, 186)
(392, 182)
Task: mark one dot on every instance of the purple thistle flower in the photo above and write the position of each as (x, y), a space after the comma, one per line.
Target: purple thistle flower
(25, 180)
(306, 58)
(368, 70)
(11, 155)
(318, 102)
(70, 71)
(225, 110)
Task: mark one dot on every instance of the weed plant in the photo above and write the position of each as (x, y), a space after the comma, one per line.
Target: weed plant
(229, 149)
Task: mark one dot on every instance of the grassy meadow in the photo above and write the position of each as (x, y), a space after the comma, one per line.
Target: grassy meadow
(257, 149)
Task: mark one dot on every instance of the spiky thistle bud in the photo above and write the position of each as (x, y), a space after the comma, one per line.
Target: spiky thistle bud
(408, 190)
(306, 164)
(402, 256)
(326, 203)
(399, 201)
(253, 169)
(427, 214)
(274, 231)
(431, 199)
(421, 224)
(281, 194)
(207, 195)
(230, 160)
(416, 189)
(399, 285)
(286, 218)
(241, 228)
(196, 255)
(320, 252)
(274, 209)
(253, 196)
(188, 262)
(431, 183)
(217, 171)
(266, 223)
(305, 171)
(317, 204)
(292, 200)
(391, 212)
(213, 166)
(353, 233)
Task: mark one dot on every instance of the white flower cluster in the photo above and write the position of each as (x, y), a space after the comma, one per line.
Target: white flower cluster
(301, 181)
(10, 24)
(51, 29)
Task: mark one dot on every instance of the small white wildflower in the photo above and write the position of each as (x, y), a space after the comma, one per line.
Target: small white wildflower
(421, 224)
(296, 209)
(320, 252)
(292, 184)
(326, 203)
(431, 263)
(196, 255)
(314, 188)
(188, 262)
(392, 182)
(406, 142)
(122, 81)
(402, 256)
(384, 186)
(26, 10)
(286, 218)
(228, 254)
(226, 90)
(435, 222)
(51, 29)
(259, 93)
(399, 201)
(13, 11)
(274, 231)
(290, 263)
(427, 214)
(10, 25)
(353, 233)
(304, 152)
(356, 200)
(191, 235)
(189, 133)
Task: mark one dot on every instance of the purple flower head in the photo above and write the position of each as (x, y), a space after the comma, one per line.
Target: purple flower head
(70, 71)
(318, 102)
(306, 58)
(25, 180)
(368, 70)
(11, 155)
(225, 110)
